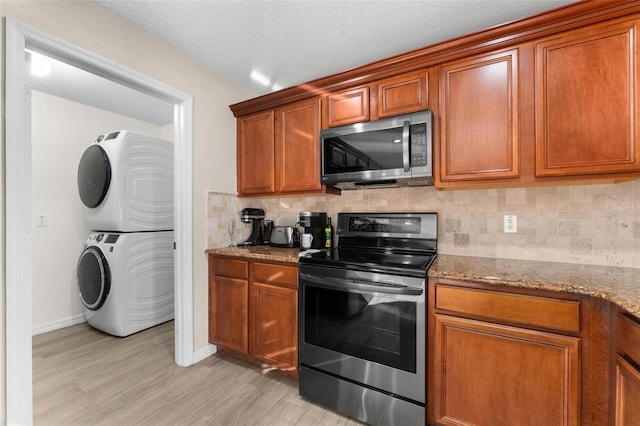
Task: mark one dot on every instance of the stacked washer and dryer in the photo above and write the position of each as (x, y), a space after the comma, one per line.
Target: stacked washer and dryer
(125, 272)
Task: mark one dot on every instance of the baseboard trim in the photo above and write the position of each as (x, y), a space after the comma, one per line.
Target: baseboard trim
(205, 352)
(67, 322)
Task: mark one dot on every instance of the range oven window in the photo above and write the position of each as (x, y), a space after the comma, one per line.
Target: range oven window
(375, 328)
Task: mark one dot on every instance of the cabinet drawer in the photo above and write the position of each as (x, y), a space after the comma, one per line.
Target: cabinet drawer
(275, 273)
(628, 337)
(226, 267)
(536, 311)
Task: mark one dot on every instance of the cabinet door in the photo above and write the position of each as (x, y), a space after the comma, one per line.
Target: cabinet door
(479, 108)
(274, 325)
(627, 405)
(487, 374)
(298, 146)
(256, 155)
(228, 313)
(586, 97)
(402, 94)
(346, 107)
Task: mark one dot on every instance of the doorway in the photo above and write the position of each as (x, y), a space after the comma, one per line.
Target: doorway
(70, 108)
(18, 245)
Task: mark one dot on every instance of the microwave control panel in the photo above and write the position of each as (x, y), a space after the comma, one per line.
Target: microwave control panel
(419, 145)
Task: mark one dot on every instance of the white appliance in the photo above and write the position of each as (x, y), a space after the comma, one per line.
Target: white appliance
(126, 280)
(126, 182)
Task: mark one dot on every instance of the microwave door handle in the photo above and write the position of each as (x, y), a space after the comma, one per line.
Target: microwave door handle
(343, 285)
(405, 146)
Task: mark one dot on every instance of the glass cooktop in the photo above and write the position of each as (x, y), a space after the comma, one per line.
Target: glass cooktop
(402, 243)
(375, 260)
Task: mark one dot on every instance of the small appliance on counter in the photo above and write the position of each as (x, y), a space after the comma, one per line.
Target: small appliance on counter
(314, 223)
(285, 236)
(267, 229)
(256, 218)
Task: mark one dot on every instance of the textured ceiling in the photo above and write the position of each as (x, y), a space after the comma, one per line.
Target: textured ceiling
(289, 42)
(292, 42)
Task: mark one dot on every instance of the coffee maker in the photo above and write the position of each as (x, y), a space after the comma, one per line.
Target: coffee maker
(256, 218)
(314, 223)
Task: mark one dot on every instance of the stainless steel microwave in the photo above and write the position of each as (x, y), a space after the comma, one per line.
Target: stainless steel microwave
(391, 151)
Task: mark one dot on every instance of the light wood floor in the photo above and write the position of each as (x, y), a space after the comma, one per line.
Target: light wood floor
(85, 377)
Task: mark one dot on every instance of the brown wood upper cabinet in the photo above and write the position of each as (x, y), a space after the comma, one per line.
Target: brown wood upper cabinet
(278, 150)
(346, 107)
(402, 94)
(256, 153)
(586, 100)
(479, 116)
(391, 96)
(298, 147)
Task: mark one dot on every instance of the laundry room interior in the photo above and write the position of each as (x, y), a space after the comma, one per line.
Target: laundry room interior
(66, 118)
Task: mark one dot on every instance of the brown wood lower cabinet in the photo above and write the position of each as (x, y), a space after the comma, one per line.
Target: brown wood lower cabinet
(627, 376)
(228, 303)
(274, 314)
(627, 408)
(502, 358)
(253, 310)
(228, 319)
(489, 374)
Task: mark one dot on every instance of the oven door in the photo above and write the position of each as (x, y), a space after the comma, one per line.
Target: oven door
(364, 327)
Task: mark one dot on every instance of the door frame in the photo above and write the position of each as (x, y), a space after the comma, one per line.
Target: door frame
(18, 246)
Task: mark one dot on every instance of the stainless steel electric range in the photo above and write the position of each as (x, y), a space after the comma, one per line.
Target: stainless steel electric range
(362, 318)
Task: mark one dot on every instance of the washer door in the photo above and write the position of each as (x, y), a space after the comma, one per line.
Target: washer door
(94, 176)
(94, 280)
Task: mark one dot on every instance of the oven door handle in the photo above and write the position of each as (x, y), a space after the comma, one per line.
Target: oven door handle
(339, 284)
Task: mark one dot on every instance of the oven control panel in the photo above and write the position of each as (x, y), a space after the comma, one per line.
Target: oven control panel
(385, 225)
(399, 225)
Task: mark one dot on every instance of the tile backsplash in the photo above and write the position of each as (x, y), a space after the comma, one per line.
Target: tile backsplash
(590, 224)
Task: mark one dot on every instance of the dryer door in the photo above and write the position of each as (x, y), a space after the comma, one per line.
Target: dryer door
(94, 280)
(94, 176)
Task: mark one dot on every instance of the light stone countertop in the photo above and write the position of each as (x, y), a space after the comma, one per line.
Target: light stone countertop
(620, 286)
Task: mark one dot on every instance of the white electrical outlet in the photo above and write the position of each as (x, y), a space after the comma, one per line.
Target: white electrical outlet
(510, 223)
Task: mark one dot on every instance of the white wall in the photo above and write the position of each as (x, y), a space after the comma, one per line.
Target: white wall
(91, 27)
(61, 131)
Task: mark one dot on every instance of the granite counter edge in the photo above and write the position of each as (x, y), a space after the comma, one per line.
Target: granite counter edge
(273, 255)
(627, 304)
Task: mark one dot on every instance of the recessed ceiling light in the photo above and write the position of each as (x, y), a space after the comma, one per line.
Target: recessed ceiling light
(256, 76)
